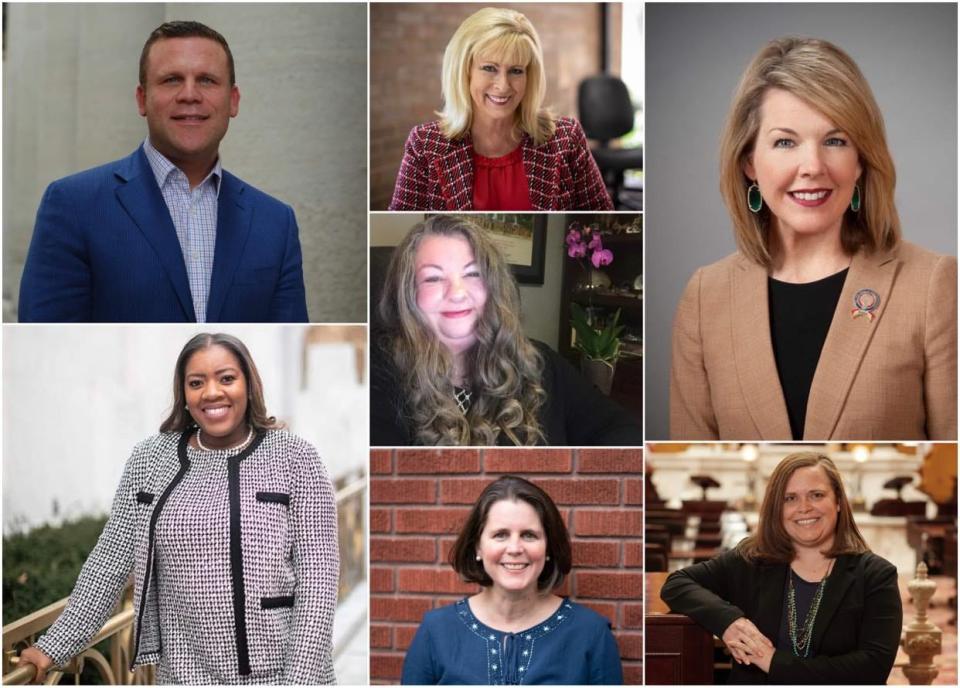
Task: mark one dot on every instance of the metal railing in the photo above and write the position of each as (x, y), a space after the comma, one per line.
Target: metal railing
(20, 634)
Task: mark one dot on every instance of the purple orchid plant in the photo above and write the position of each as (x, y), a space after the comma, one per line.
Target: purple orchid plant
(583, 239)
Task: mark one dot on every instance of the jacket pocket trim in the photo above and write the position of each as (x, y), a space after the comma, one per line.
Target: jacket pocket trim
(276, 602)
(275, 497)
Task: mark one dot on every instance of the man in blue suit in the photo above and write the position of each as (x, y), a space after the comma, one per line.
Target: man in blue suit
(166, 235)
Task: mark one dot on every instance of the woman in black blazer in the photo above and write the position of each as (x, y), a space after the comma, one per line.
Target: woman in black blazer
(802, 601)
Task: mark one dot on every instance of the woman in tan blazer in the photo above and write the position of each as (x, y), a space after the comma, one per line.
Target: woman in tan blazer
(825, 324)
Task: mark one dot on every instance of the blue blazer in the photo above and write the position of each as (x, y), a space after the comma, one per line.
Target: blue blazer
(104, 249)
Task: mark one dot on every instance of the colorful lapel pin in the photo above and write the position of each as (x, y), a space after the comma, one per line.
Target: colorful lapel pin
(866, 302)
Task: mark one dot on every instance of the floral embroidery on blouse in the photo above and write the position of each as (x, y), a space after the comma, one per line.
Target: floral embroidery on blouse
(509, 654)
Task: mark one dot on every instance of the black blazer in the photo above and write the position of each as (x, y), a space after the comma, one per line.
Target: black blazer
(575, 413)
(855, 636)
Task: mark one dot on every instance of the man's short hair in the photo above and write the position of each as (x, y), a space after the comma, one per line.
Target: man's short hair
(184, 29)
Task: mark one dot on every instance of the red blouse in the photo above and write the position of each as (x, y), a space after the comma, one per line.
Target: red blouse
(500, 183)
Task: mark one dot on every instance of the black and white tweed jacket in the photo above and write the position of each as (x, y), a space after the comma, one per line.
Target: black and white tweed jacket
(235, 560)
(437, 173)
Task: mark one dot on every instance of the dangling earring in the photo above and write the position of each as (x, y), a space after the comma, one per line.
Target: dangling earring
(754, 199)
(856, 200)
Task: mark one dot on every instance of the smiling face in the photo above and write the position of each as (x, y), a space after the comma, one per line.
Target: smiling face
(810, 509)
(513, 546)
(188, 100)
(496, 89)
(451, 292)
(216, 394)
(806, 167)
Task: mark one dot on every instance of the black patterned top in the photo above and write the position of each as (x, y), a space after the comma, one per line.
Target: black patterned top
(235, 560)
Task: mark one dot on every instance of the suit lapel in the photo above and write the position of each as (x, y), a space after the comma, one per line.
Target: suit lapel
(455, 171)
(140, 197)
(542, 174)
(841, 578)
(770, 588)
(753, 351)
(847, 341)
(233, 227)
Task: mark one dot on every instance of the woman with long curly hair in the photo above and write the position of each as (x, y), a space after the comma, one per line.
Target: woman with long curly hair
(451, 365)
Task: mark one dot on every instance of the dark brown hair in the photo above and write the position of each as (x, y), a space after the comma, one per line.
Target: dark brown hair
(180, 418)
(771, 543)
(184, 29)
(511, 488)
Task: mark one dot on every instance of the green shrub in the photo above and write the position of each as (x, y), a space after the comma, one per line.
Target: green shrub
(41, 565)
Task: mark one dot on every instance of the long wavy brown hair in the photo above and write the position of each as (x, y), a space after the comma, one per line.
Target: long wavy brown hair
(257, 416)
(503, 368)
(771, 543)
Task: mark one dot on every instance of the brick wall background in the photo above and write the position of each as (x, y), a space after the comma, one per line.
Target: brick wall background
(406, 51)
(420, 497)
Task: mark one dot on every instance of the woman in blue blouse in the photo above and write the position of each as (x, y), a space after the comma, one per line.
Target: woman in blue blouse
(515, 545)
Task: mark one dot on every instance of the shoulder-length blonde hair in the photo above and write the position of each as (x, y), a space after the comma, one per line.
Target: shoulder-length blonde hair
(504, 368)
(257, 416)
(503, 36)
(827, 79)
(772, 543)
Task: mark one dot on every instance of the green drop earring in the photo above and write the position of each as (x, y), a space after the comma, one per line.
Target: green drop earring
(855, 200)
(754, 199)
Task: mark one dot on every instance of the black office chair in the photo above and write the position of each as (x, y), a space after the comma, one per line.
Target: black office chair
(606, 113)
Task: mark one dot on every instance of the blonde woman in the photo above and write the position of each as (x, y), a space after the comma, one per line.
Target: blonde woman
(495, 146)
(450, 363)
(825, 324)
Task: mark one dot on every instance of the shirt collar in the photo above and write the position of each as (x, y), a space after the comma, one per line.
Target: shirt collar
(162, 167)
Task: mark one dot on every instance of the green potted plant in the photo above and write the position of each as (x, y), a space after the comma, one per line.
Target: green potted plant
(599, 348)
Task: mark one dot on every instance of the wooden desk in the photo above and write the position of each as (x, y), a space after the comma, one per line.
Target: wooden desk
(678, 650)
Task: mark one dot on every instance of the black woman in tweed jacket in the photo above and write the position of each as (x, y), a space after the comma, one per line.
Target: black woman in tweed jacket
(230, 530)
(495, 147)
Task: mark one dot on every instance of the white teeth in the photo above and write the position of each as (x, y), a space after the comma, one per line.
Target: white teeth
(809, 196)
(806, 521)
(216, 412)
(514, 567)
(499, 100)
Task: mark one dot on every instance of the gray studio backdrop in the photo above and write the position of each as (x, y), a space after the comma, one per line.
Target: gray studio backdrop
(69, 74)
(695, 56)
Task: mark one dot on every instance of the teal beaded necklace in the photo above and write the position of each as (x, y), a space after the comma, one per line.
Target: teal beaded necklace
(800, 637)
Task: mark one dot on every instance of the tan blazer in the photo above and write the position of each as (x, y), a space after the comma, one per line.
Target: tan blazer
(889, 377)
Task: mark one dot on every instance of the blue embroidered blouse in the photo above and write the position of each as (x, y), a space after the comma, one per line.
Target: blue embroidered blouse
(574, 646)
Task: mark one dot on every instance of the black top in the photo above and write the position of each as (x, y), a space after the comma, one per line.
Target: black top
(575, 413)
(856, 634)
(803, 592)
(800, 316)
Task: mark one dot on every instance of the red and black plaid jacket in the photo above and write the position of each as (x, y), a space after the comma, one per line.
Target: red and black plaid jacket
(437, 173)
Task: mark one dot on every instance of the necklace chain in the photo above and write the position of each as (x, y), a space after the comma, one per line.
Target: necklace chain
(239, 446)
(800, 638)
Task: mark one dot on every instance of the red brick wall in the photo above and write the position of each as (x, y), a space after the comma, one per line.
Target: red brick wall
(420, 497)
(407, 41)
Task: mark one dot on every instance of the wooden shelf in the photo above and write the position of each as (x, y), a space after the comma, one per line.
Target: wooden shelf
(610, 300)
(622, 239)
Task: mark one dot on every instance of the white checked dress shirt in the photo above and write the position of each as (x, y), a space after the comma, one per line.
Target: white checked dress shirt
(194, 215)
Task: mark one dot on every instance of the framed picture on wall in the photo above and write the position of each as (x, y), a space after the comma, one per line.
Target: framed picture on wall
(522, 238)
